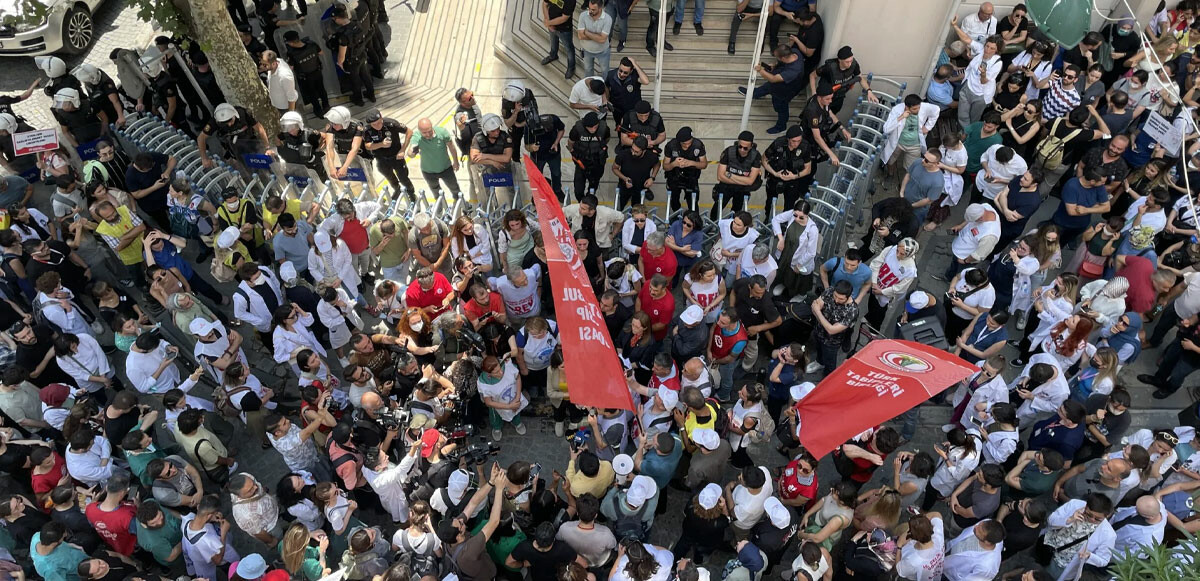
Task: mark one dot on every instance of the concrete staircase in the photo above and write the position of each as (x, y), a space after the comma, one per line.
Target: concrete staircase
(700, 79)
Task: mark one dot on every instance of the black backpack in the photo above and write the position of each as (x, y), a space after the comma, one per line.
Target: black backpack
(630, 526)
(421, 564)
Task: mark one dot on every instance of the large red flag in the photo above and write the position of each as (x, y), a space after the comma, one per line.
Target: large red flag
(594, 374)
(876, 384)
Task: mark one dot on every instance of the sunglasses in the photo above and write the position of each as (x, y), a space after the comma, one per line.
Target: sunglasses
(636, 221)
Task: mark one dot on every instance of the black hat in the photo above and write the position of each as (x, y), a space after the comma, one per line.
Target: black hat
(746, 136)
(200, 59)
(162, 40)
(591, 119)
(244, 28)
(824, 89)
(339, 11)
(372, 116)
(684, 133)
(794, 132)
(291, 36)
(845, 52)
(642, 107)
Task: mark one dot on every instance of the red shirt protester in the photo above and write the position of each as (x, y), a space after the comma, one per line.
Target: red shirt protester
(417, 297)
(1141, 295)
(664, 264)
(44, 483)
(473, 310)
(113, 526)
(661, 310)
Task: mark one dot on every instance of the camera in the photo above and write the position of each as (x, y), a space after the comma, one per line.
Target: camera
(477, 453)
(392, 418)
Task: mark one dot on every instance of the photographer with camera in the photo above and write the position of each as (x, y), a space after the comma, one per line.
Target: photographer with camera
(377, 424)
(433, 396)
(362, 381)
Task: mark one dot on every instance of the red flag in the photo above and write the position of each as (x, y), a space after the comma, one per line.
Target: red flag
(880, 382)
(594, 374)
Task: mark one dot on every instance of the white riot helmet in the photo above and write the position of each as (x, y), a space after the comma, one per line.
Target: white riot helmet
(513, 91)
(8, 123)
(224, 113)
(338, 116)
(66, 95)
(87, 74)
(492, 122)
(291, 119)
(53, 66)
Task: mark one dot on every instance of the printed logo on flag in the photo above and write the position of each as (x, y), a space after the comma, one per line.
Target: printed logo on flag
(908, 362)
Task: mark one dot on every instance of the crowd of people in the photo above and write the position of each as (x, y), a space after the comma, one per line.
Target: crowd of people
(156, 338)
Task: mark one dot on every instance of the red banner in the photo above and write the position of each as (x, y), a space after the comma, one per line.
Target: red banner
(595, 377)
(880, 382)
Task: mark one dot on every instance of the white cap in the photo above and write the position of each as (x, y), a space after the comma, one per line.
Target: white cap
(8, 123)
(641, 489)
(292, 118)
(321, 239)
(777, 512)
(691, 315)
(669, 397)
(459, 481)
(918, 300)
(710, 495)
(224, 113)
(801, 391)
(338, 116)
(66, 95)
(513, 91)
(974, 212)
(287, 271)
(201, 327)
(492, 122)
(228, 237)
(53, 66)
(707, 438)
(622, 464)
(87, 74)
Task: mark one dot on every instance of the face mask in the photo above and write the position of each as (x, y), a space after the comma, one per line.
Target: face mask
(261, 281)
(1124, 31)
(233, 206)
(418, 326)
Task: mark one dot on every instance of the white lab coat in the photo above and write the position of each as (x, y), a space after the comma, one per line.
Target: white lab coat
(481, 253)
(990, 393)
(344, 266)
(1131, 537)
(1100, 543)
(926, 118)
(1046, 397)
(286, 342)
(627, 236)
(255, 311)
(971, 565)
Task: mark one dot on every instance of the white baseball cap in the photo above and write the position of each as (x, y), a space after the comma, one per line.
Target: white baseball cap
(974, 212)
(706, 438)
(780, 516)
(201, 327)
(321, 239)
(287, 271)
(800, 391)
(917, 301)
(459, 481)
(691, 315)
(622, 464)
(641, 489)
(669, 397)
(710, 495)
(228, 237)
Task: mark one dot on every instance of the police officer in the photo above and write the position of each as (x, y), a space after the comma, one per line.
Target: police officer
(304, 56)
(76, 117)
(237, 128)
(588, 144)
(387, 140)
(206, 79)
(645, 121)
(300, 145)
(253, 46)
(625, 86)
(739, 174)
(349, 44)
(512, 108)
(345, 142)
(101, 92)
(491, 152)
(788, 165)
(162, 95)
(683, 159)
(196, 111)
(56, 70)
(546, 152)
(822, 125)
(466, 118)
(842, 74)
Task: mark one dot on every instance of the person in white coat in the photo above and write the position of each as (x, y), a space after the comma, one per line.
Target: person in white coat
(1043, 387)
(389, 480)
(58, 306)
(292, 333)
(1079, 533)
(980, 391)
(474, 241)
(635, 230)
(252, 299)
(906, 126)
(330, 260)
(974, 555)
(150, 366)
(1139, 526)
(336, 311)
(81, 357)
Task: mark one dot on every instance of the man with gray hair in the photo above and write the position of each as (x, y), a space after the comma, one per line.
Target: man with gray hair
(758, 261)
(655, 259)
(429, 241)
(521, 291)
(349, 222)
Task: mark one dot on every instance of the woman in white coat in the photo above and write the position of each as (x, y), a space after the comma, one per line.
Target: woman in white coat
(737, 236)
(911, 115)
(292, 332)
(84, 360)
(249, 304)
(958, 459)
(330, 259)
(336, 311)
(635, 230)
(467, 237)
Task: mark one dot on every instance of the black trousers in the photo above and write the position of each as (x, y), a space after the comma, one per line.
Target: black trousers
(395, 171)
(587, 178)
(791, 191)
(312, 90)
(681, 189)
(359, 79)
(735, 196)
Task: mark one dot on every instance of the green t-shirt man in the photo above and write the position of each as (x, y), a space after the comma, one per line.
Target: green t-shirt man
(976, 145)
(161, 541)
(435, 157)
(393, 253)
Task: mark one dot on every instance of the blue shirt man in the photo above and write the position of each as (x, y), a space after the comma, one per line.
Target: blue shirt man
(1081, 198)
(660, 459)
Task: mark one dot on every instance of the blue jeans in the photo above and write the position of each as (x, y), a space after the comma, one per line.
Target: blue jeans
(827, 355)
(679, 5)
(567, 39)
(601, 58)
(620, 26)
(725, 390)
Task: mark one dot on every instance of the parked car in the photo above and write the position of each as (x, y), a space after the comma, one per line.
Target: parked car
(37, 27)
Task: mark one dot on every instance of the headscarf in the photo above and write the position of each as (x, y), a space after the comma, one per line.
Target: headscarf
(1116, 288)
(1141, 238)
(54, 394)
(1127, 337)
(183, 317)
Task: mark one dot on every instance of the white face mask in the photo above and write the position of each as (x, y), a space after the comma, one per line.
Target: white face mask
(233, 206)
(261, 281)
(418, 326)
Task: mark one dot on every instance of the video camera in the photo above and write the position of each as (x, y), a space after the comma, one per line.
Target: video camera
(516, 92)
(393, 418)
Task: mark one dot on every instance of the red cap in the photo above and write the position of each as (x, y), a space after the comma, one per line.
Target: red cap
(429, 439)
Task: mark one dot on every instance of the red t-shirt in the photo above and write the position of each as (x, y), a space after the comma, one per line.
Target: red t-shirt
(495, 305)
(415, 297)
(791, 486)
(1141, 295)
(113, 526)
(43, 483)
(664, 264)
(354, 235)
(661, 310)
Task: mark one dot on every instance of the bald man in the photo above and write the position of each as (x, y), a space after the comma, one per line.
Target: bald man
(1142, 525)
(975, 28)
(1102, 476)
(696, 374)
(439, 156)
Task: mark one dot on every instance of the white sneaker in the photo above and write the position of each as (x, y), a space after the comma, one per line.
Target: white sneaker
(949, 427)
(520, 429)
(559, 429)
(497, 434)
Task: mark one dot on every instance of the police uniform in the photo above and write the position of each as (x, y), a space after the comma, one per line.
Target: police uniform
(393, 169)
(517, 131)
(55, 85)
(306, 65)
(841, 80)
(683, 179)
(98, 94)
(293, 149)
(792, 160)
(343, 139)
(590, 154)
(652, 127)
(546, 155)
(240, 137)
(82, 122)
(163, 88)
(352, 36)
(736, 195)
(488, 147)
(818, 119)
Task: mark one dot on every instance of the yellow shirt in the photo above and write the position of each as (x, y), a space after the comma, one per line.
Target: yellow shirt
(112, 233)
(291, 207)
(597, 485)
(691, 423)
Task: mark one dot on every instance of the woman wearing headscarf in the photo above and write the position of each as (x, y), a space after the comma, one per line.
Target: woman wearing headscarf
(1104, 300)
(892, 271)
(1122, 336)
